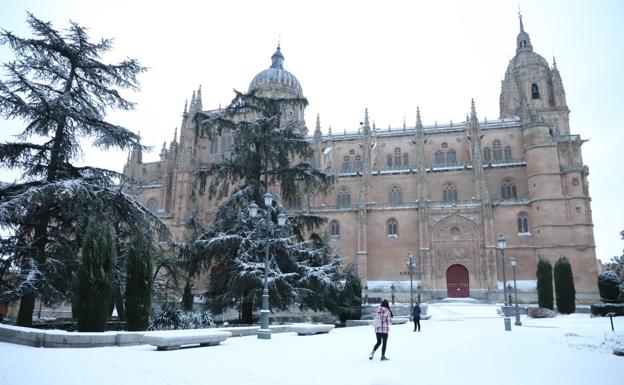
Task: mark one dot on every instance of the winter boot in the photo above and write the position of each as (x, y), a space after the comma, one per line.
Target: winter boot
(383, 358)
(370, 357)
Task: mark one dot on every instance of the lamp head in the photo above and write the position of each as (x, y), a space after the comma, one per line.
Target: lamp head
(268, 199)
(502, 241)
(514, 262)
(281, 219)
(253, 209)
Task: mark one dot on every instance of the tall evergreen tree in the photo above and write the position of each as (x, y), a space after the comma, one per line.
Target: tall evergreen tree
(564, 286)
(59, 87)
(96, 276)
(269, 153)
(544, 284)
(187, 297)
(139, 284)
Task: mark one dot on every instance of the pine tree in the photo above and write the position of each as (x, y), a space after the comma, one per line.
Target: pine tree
(269, 153)
(187, 297)
(564, 286)
(140, 267)
(59, 87)
(544, 284)
(95, 276)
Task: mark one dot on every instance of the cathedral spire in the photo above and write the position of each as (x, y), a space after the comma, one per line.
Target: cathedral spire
(523, 41)
(277, 59)
(366, 123)
(418, 120)
(185, 106)
(198, 101)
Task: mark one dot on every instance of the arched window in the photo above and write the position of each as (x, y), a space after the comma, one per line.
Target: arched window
(358, 164)
(346, 163)
(449, 192)
(487, 154)
(334, 229)
(508, 189)
(535, 91)
(214, 145)
(451, 158)
(497, 150)
(152, 205)
(389, 163)
(439, 158)
(405, 159)
(226, 143)
(507, 153)
(343, 199)
(523, 223)
(393, 228)
(396, 195)
(397, 157)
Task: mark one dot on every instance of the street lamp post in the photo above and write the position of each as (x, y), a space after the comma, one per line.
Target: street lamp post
(410, 268)
(513, 266)
(501, 245)
(264, 332)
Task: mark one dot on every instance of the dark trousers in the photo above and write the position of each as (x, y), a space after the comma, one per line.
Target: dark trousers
(416, 323)
(381, 337)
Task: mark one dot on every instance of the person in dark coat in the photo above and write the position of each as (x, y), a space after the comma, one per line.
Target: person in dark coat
(416, 316)
(383, 320)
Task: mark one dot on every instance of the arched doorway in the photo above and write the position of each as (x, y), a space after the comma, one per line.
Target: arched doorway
(457, 282)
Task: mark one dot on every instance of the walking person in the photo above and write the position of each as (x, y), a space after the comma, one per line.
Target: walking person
(383, 320)
(416, 316)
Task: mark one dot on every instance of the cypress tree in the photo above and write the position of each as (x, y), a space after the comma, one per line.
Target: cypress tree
(544, 284)
(139, 282)
(564, 286)
(187, 297)
(95, 276)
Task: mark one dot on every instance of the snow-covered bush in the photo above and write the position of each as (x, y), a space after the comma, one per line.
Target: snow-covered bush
(609, 286)
(169, 317)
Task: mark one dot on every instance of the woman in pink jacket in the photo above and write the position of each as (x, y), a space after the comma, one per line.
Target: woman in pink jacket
(383, 320)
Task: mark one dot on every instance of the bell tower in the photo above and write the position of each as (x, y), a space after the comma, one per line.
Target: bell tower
(532, 90)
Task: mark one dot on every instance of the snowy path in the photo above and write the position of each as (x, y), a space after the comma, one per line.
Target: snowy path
(474, 349)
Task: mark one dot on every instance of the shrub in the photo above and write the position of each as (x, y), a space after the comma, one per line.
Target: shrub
(540, 312)
(544, 284)
(139, 282)
(95, 276)
(169, 317)
(350, 298)
(609, 286)
(564, 286)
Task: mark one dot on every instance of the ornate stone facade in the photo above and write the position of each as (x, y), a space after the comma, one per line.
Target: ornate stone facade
(440, 192)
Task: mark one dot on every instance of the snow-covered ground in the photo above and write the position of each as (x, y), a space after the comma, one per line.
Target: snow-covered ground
(462, 344)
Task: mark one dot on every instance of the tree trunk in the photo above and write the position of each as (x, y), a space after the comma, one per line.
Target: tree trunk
(27, 307)
(247, 311)
(119, 303)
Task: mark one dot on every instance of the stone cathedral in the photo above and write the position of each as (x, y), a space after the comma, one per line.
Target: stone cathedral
(440, 193)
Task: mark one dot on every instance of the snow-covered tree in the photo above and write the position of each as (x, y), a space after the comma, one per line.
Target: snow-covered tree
(269, 155)
(57, 85)
(96, 275)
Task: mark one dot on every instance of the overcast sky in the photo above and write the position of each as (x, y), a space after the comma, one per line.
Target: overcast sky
(386, 56)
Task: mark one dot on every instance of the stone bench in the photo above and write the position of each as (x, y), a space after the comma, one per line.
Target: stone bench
(309, 329)
(174, 339)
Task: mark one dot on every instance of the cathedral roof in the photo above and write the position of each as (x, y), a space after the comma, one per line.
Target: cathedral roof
(276, 76)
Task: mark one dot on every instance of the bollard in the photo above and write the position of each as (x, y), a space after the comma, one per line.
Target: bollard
(610, 315)
(507, 324)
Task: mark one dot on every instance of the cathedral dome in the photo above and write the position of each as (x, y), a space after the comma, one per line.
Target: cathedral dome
(525, 59)
(277, 79)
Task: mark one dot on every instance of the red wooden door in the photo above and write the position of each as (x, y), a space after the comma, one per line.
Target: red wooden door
(457, 283)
